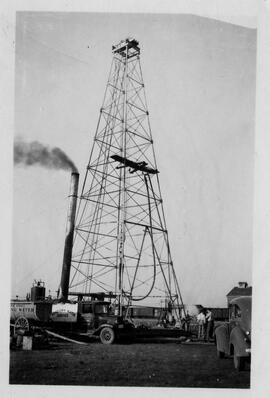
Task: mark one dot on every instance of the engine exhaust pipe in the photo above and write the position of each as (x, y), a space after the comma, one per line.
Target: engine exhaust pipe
(64, 284)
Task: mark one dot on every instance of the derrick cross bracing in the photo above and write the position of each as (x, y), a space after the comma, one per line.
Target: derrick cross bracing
(121, 240)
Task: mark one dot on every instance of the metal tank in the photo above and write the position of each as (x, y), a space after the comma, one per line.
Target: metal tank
(38, 291)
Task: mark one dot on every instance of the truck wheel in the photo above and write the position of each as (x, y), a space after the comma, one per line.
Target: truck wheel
(239, 362)
(107, 336)
(220, 354)
(21, 323)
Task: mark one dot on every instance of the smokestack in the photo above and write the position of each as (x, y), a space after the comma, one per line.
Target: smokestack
(69, 237)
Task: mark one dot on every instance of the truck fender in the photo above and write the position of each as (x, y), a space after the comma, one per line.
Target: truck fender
(238, 342)
(222, 338)
(104, 325)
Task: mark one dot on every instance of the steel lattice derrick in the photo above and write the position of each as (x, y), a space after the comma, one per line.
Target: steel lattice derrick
(121, 241)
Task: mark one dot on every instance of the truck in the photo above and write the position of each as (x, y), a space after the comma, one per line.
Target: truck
(91, 318)
(234, 337)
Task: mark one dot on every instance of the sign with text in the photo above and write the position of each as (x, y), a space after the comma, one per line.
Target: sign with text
(64, 312)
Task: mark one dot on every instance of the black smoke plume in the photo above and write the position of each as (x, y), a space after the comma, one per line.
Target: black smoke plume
(35, 153)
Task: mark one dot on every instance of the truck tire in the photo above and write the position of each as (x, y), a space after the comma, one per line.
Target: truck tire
(107, 335)
(220, 354)
(22, 324)
(239, 362)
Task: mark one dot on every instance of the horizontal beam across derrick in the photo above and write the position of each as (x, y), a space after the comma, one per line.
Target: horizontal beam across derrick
(101, 203)
(146, 226)
(93, 263)
(95, 233)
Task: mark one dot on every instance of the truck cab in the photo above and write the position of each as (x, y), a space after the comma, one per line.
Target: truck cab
(91, 318)
(234, 337)
(93, 314)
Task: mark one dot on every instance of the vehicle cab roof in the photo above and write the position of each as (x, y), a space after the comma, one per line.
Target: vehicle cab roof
(242, 301)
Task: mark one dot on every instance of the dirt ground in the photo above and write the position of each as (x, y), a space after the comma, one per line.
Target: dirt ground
(166, 364)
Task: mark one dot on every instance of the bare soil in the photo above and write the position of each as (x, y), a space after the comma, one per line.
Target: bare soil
(150, 364)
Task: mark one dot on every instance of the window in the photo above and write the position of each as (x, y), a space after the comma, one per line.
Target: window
(238, 311)
(235, 311)
(232, 311)
(87, 308)
(101, 309)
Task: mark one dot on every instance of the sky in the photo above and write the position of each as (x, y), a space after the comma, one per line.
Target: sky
(199, 77)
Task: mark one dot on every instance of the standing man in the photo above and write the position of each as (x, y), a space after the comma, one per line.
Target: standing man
(187, 323)
(201, 324)
(210, 324)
